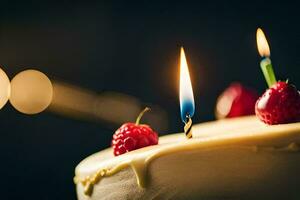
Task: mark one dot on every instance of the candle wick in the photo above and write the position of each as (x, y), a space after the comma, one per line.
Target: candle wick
(188, 127)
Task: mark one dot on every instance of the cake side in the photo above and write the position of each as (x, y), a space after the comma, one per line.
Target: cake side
(226, 172)
(226, 140)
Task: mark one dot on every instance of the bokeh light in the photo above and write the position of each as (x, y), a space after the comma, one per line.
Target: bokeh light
(110, 107)
(31, 92)
(4, 88)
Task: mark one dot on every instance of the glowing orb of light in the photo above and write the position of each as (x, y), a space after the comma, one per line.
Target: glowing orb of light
(31, 92)
(4, 88)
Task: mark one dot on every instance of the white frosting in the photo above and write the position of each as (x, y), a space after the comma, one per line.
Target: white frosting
(232, 158)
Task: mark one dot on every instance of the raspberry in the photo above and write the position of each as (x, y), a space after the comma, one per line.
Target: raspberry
(131, 136)
(236, 100)
(279, 104)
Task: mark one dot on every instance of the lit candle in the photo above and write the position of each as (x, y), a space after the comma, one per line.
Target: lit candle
(264, 51)
(186, 96)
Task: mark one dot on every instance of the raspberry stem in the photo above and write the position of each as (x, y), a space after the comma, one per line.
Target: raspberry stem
(137, 122)
(266, 67)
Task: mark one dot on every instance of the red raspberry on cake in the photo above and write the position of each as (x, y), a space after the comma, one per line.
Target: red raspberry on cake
(236, 100)
(131, 136)
(279, 104)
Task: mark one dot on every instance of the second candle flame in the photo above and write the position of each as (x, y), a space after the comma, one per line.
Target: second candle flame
(186, 96)
(262, 43)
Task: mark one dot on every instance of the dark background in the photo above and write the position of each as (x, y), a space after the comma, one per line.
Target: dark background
(131, 48)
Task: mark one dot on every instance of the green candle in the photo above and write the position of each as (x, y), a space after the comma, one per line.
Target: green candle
(265, 64)
(266, 67)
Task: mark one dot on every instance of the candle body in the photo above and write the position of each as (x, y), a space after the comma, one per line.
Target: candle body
(266, 67)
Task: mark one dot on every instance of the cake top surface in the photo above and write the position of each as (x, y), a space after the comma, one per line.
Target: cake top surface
(242, 131)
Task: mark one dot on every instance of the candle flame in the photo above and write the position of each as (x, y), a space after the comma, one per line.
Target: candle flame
(262, 43)
(186, 96)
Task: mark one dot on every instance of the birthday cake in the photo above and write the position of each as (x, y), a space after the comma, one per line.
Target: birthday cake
(239, 158)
